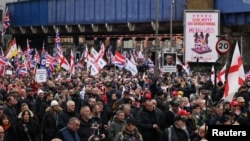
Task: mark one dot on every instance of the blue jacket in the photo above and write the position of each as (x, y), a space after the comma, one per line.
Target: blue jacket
(67, 135)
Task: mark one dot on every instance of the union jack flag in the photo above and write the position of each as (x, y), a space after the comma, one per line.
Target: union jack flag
(6, 21)
(50, 61)
(22, 70)
(4, 61)
(58, 43)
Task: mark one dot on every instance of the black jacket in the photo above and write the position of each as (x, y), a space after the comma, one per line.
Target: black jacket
(26, 130)
(145, 122)
(64, 117)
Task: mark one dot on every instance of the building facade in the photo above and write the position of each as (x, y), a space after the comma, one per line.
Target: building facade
(123, 24)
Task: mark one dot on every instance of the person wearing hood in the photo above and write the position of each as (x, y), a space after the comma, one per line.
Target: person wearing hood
(25, 106)
(27, 129)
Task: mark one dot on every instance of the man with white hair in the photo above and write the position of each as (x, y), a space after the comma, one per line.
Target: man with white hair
(66, 114)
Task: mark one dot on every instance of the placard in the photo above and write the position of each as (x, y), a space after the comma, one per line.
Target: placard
(41, 75)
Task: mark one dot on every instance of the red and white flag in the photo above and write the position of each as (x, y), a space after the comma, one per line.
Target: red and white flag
(97, 66)
(63, 62)
(95, 61)
(72, 63)
(86, 54)
(236, 75)
(131, 67)
(120, 60)
(101, 52)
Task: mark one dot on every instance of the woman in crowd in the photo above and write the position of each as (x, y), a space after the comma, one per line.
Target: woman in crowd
(9, 130)
(27, 129)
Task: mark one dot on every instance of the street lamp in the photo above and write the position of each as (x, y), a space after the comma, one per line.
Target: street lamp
(171, 23)
(198, 62)
(156, 67)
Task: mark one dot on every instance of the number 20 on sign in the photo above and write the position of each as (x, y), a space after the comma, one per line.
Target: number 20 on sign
(223, 46)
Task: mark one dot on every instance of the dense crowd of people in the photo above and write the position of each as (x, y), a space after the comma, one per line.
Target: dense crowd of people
(116, 106)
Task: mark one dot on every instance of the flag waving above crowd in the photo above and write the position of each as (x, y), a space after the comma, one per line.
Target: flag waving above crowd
(236, 75)
(6, 21)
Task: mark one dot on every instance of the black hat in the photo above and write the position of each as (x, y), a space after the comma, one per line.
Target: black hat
(195, 106)
(229, 111)
(175, 103)
(179, 118)
(126, 93)
(159, 92)
(131, 120)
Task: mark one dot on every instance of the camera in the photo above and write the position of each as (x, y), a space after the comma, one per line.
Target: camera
(96, 132)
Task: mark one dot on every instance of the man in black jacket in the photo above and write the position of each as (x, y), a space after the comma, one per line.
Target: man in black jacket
(177, 132)
(149, 122)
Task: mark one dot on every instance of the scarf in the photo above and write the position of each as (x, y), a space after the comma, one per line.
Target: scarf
(6, 127)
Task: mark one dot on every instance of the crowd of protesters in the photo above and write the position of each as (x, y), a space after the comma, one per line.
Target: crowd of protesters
(116, 106)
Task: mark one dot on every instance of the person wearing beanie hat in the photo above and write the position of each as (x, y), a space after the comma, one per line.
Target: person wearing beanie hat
(177, 132)
(197, 118)
(54, 103)
(130, 120)
(160, 100)
(129, 132)
(49, 121)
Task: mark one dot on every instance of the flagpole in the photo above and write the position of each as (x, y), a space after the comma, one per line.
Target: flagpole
(114, 64)
(215, 73)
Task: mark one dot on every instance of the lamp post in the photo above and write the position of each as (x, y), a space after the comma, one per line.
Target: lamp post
(198, 62)
(171, 23)
(156, 67)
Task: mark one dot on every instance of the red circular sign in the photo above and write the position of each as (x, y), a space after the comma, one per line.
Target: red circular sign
(223, 46)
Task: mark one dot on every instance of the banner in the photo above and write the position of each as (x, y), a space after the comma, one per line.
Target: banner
(201, 29)
(41, 75)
